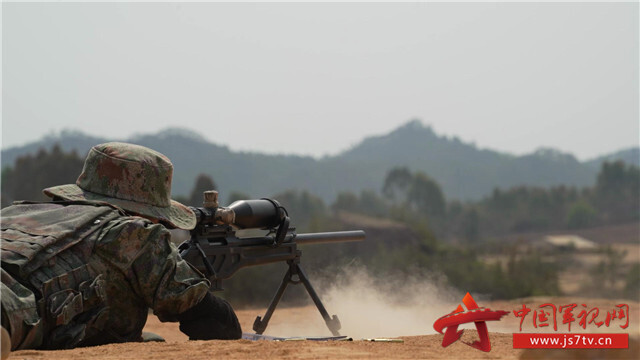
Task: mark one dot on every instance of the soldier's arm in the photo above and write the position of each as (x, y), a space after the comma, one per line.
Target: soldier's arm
(169, 285)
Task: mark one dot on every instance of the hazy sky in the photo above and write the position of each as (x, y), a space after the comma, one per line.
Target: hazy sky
(317, 78)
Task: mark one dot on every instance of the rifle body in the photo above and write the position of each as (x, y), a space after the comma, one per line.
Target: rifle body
(226, 253)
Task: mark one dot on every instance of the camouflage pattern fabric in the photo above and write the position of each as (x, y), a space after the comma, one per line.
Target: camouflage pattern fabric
(20, 314)
(84, 273)
(133, 177)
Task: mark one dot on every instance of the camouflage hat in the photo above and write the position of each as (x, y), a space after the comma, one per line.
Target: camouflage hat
(132, 177)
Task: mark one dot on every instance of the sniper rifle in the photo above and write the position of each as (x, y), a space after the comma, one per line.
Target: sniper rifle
(218, 249)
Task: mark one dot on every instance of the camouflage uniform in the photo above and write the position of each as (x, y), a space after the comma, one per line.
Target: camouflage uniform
(82, 271)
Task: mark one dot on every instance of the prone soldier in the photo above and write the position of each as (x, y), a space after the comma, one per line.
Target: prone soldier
(85, 268)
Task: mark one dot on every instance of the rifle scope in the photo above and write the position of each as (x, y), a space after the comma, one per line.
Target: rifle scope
(244, 214)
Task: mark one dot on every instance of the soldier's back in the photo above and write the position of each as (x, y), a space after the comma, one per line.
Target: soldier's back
(58, 289)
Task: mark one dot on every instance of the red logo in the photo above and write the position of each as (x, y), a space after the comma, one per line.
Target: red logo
(474, 313)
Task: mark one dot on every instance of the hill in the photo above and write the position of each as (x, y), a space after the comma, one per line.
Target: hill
(464, 171)
(630, 156)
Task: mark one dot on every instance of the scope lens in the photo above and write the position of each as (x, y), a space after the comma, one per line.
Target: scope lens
(255, 214)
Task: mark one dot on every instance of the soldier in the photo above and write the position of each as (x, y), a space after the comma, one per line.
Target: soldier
(83, 269)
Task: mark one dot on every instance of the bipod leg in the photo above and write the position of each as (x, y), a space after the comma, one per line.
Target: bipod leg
(333, 323)
(260, 324)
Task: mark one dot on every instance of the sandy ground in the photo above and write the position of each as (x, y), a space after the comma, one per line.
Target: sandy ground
(426, 346)
(412, 348)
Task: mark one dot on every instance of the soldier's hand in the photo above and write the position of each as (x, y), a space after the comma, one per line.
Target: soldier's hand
(212, 318)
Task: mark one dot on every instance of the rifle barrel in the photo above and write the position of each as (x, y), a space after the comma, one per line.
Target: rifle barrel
(329, 237)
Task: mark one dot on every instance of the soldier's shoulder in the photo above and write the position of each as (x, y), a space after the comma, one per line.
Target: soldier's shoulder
(136, 227)
(47, 218)
(26, 205)
(58, 210)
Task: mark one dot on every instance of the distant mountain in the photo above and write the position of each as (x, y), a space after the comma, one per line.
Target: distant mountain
(69, 140)
(463, 171)
(629, 156)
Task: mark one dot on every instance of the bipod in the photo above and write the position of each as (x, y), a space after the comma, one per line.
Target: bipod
(260, 324)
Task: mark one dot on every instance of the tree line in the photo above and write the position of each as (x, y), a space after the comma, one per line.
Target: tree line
(404, 194)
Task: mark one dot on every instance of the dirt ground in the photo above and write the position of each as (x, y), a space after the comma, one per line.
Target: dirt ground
(426, 346)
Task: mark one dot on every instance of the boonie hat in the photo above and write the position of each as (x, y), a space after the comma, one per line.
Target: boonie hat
(132, 177)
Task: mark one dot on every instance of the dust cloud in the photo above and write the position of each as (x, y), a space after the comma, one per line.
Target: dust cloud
(371, 306)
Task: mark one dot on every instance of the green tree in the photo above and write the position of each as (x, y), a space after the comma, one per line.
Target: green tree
(426, 196)
(632, 283)
(470, 225)
(372, 204)
(368, 203)
(397, 183)
(416, 191)
(605, 274)
(346, 201)
(581, 215)
(301, 206)
(617, 192)
(32, 173)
